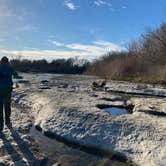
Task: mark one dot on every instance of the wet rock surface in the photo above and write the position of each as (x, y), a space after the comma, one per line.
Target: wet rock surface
(70, 113)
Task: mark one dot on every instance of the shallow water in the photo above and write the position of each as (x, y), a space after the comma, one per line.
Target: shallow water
(114, 111)
(42, 76)
(47, 76)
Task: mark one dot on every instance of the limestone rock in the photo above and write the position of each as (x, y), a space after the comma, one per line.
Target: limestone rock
(73, 116)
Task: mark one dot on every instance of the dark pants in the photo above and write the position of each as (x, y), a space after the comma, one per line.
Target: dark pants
(5, 106)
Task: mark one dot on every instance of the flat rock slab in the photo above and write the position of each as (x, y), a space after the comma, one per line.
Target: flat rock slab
(134, 88)
(72, 114)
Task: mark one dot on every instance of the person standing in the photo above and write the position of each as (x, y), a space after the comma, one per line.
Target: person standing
(6, 84)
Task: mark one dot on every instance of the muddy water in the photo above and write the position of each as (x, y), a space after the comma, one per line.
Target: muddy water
(68, 156)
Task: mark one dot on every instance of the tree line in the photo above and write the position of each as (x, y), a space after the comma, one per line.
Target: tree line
(43, 66)
(144, 60)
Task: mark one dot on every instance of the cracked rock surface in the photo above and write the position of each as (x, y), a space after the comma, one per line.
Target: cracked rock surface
(68, 109)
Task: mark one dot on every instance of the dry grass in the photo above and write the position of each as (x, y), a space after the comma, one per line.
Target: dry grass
(145, 60)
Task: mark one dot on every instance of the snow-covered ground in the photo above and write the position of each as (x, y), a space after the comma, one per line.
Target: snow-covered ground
(66, 108)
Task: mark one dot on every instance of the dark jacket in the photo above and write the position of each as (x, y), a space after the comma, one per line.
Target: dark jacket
(6, 73)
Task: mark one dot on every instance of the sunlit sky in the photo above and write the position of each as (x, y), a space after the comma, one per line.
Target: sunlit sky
(51, 29)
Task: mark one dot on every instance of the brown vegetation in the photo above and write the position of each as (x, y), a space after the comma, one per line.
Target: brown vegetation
(145, 60)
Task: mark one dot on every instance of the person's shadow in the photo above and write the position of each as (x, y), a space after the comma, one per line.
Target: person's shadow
(22, 152)
(15, 156)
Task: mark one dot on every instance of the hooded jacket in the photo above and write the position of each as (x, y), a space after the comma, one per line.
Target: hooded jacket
(6, 73)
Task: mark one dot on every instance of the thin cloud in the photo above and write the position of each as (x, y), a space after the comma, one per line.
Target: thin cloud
(102, 3)
(70, 5)
(8, 12)
(21, 17)
(92, 51)
(56, 43)
(109, 45)
(96, 47)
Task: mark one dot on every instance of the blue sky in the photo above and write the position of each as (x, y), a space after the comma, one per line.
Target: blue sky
(50, 29)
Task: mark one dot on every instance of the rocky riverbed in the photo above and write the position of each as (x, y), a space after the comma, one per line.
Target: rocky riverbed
(69, 109)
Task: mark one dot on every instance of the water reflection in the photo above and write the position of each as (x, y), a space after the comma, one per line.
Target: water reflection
(114, 111)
